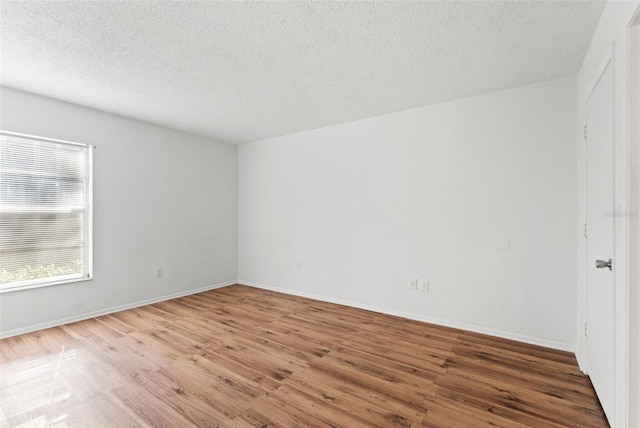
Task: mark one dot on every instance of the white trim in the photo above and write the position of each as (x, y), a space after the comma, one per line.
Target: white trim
(446, 323)
(100, 312)
(632, 362)
(48, 140)
(608, 57)
(88, 212)
(39, 283)
(417, 317)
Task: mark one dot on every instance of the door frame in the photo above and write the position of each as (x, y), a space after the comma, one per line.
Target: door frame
(633, 82)
(624, 171)
(615, 25)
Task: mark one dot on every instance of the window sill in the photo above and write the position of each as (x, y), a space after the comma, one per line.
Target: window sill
(28, 285)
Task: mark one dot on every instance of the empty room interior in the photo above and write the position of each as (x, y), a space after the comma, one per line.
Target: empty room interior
(313, 214)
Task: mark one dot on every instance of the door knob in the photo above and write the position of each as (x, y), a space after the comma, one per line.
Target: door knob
(601, 264)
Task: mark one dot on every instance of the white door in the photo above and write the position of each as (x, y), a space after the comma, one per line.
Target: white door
(600, 236)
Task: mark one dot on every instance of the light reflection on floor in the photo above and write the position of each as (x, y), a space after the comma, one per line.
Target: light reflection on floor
(34, 390)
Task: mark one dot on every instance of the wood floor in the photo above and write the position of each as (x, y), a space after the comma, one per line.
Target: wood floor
(244, 357)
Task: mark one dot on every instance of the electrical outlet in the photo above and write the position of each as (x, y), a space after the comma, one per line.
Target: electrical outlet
(299, 266)
(424, 285)
(413, 285)
(159, 272)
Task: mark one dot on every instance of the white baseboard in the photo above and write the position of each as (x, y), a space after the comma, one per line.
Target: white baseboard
(446, 323)
(106, 311)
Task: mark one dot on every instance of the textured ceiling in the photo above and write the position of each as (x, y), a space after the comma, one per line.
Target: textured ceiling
(244, 71)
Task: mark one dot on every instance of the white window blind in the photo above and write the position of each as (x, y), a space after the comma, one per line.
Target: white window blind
(45, 211)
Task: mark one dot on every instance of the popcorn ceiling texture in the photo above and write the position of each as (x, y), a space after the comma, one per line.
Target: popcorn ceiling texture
(245, 71)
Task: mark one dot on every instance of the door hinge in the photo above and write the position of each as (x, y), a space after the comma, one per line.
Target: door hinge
(585, 329)
(585, 133)
(586, 235)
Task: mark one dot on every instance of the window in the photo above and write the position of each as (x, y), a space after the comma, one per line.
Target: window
(45, 211)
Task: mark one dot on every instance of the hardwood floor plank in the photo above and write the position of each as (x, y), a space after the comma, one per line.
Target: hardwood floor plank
(453, 413)
(484, 355)
(38, 343)
(177, 309)
(554, 386)
(288, 407)
(353, 398)
(523, 400)
(196, 330)
(183, 402)
(453, 400)
(519, 347)
(269, 412)
(418, 337)
(305, 345)
(325, 324)
(383, 366)
(223, 393)
(323, 339)
(100, 410)
(424, 359)
(157, 314)
(239, 357)
(128, 360)
(241, 378)
(92, 327)
(366, 376)
(148, 408)
(289, 397)
(321, 343)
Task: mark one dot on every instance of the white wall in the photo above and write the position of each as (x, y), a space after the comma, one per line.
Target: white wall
(613, 28)
(427, 193)
(162, 198)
